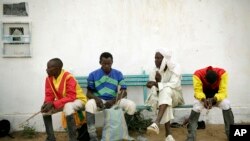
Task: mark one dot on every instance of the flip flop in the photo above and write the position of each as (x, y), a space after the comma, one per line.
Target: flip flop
(169, 138)
(153, 128)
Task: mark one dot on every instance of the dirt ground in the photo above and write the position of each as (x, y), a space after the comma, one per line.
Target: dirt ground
(211, 133)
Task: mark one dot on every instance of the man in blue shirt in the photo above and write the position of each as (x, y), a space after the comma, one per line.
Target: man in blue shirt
(103, 92)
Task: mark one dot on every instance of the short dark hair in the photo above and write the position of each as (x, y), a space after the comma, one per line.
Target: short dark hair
(211, 76)
(57, 62)
(106, 55)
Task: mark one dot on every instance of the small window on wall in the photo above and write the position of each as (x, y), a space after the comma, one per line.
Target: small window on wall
(15, 31)
(15, 9)
(16, 39)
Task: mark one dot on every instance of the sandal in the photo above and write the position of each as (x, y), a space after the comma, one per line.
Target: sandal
(169, 138)
(153, 128)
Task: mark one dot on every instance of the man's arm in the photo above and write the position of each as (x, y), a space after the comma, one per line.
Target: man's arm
(91, 89)
(222, 92)
(154, 78)
(198, 89)
(90, 95)
(122, 94)
(49, 94)
(49, 97)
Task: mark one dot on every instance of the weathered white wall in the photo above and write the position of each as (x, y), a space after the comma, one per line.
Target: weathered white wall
(200, 33)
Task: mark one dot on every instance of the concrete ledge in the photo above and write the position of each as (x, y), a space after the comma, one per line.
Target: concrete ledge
(214, 116)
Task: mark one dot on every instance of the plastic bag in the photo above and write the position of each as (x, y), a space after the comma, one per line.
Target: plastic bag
(115, 126)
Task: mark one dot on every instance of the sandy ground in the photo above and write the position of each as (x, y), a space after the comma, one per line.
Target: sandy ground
(211, 133)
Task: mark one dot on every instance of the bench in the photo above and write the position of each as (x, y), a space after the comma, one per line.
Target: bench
(141, 80)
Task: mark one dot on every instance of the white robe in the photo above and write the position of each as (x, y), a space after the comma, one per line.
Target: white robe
(169, 89)
(169, 92)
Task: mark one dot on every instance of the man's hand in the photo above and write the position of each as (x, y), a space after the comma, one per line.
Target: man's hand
(211, 102)
(46, 107)
(99, 102)
(208, 103)
(109, 104)
(205, 102)
(158, 76)
(150, 84)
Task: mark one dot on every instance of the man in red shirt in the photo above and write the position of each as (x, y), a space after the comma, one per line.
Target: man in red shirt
(210, 89)
(62, 93)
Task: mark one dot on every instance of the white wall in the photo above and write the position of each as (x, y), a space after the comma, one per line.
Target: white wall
(200, 33)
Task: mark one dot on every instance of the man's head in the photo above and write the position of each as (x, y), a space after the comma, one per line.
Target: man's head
(54, 67)
(158, 59)
(163, 59)
(211, 76)
(106, 61)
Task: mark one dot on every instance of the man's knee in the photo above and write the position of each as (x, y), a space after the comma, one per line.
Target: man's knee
(197, 108)
(78, 105)
(224, 104)
(131, 107)
(91, 106)
(68, 109)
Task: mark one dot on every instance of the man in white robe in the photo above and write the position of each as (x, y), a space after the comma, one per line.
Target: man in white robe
(165, 91)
